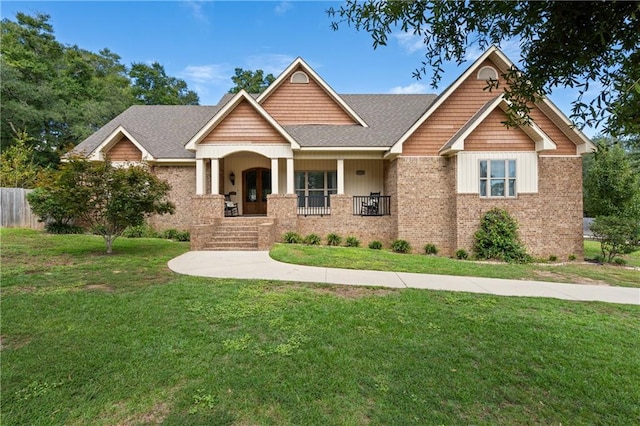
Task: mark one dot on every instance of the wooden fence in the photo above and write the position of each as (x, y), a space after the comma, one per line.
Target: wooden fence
(15, 211)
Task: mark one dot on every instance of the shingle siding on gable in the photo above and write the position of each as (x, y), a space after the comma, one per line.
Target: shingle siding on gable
(124, 150)
(456, 110)
(563, 144)
(492, 135)
(244, 124)
(304, 104)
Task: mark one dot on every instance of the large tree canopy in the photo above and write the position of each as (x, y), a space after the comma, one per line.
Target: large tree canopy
(251, 81)
(54, 96)
(583, 45)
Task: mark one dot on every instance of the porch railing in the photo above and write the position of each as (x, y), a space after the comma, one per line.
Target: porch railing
(372, 205)
(314, 205)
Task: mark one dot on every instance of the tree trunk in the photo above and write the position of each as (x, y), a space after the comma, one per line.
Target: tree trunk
(109, 242)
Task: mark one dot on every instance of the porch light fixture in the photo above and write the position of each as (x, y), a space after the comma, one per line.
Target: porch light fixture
(232, 178)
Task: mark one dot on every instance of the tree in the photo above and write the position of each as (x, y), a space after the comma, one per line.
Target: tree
(152, 86)
(563, 45)
(17, 169)
(104, 198)
(612, 195)
(251, 81)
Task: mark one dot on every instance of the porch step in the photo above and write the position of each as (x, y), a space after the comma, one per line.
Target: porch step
(234, 234)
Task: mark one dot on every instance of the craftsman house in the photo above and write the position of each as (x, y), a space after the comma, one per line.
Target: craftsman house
(301, 157)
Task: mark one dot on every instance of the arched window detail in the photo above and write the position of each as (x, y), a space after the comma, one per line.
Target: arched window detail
(299, 77)
(487, 73)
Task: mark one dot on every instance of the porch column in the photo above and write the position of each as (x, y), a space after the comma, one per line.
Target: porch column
(215, 176)
(274, 176)
(340, 176)
(290, 178)
(200, 176)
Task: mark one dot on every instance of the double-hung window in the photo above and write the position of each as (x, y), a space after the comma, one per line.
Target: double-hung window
(497, 178)
(314, 187)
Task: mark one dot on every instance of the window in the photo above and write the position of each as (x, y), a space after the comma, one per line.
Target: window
(497, 178)
(299, 77)
(487, 73)
(312, 187)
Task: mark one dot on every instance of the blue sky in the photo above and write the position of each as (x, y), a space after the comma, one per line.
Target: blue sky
(203, 42)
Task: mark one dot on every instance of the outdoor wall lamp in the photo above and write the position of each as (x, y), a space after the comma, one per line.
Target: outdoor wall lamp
(232, 178)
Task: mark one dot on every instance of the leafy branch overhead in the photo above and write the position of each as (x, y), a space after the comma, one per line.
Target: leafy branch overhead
(590, 46)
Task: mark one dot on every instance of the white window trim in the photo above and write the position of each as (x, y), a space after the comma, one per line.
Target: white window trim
(487, 67)
(506, 178)
(325, 189)
(297, 73)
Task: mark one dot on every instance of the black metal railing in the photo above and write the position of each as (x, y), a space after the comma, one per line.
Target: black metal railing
(372, 205)
(314, 205)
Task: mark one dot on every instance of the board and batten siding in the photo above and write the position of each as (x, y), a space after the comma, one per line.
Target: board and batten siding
(371, 181)
(304, 103)
(468, 170)
(243, 124)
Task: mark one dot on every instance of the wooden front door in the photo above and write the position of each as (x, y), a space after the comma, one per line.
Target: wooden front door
(257, 185)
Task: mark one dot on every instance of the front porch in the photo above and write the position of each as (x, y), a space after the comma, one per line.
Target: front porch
(345, 215)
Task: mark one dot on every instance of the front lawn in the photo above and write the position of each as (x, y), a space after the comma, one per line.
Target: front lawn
(385, 260)
(95, 339)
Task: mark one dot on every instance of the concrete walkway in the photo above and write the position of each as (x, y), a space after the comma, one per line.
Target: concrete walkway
(258, 265)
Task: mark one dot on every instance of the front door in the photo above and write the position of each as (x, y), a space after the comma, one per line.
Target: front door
(256, 185)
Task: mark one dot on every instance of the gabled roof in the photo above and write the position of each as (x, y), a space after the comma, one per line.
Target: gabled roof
(299, 62)
(114, 138)
(503, 63)
(160, 129)
(456, 143)
(227, 109)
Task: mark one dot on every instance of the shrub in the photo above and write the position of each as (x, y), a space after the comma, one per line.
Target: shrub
(498, 239)
(139, 231)
(292, 238)
(553, 258)
(183, 236)
(401, 246)
(63, 228)
(312, 240)
(170, 234)
(334, 239)
(375, 245)
(572, 257)
(430, 249)
(619, 261)
(616, 235)
(461, 254)
(352, 242)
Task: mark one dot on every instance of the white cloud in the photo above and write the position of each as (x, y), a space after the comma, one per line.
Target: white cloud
(196, 10)
(283, 7)
(412, 89)
(411, 43)
(212, 73)
(269, 63)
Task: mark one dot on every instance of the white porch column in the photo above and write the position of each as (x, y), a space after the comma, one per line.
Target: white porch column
(340, 176)
(274, 176)
(290, 178)
(200, 176)
(215, 176)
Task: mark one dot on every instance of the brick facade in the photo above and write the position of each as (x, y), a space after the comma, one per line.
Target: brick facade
(183, 183)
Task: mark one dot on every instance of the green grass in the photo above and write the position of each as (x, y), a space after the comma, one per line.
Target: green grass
(95, 339)
(385, 260)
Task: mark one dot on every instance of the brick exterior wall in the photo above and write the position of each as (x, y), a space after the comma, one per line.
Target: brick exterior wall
(183, 186)
(550, 222)
(426, 202)
(343, 222)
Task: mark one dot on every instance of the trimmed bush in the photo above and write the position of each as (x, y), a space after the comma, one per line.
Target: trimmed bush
(139, 231)
(183, 236)
(572, 257)
(553, 258)
(461, 254)
(430, 249)
(312, 240)
(63, 228)
(619, 261)
(498, 238)
(401, 246)
(334, 239)
(292, 238)
(375, 245)
(352, 242)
